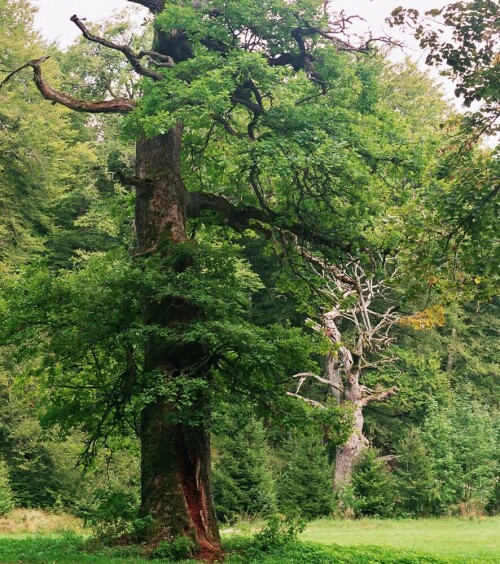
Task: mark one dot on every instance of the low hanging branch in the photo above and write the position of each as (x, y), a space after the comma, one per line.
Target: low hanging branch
(117, 105)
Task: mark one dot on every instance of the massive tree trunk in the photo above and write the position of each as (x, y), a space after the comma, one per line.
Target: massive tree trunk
(175, 466)
(175, 448)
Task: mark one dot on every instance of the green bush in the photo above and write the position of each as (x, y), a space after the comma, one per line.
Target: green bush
(114, 514)
(6, 497)
(177, 549)
(279, 532)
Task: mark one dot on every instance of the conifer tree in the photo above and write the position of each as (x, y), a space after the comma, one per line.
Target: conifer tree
(373, 485)
(416, 482)
(305, 483)
(243, 480)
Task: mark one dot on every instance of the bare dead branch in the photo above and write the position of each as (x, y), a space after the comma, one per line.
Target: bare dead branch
(133, 58)
(307, 400)
(304, 375)
(382, 396)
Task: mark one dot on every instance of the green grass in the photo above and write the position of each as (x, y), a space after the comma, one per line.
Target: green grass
(368, 541)
(71, 549)
(65, 549)
(475, 540)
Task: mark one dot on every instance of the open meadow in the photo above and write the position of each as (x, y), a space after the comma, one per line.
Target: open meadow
(38, 537)
(474, 540)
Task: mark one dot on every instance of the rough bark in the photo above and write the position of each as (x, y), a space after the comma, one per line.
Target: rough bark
(175, 467)
(117, 105)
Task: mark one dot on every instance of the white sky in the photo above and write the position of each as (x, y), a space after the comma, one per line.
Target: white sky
(53, 16)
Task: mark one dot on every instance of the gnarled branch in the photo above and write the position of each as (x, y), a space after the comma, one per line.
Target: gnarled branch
(380, 396)
(117, 105)
(250, 217)
(154, 6)
(134, 181)
(132, 58)
(304, 375)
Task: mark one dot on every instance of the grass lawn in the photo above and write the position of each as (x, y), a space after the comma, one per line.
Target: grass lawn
(475, 540)
(328, 541)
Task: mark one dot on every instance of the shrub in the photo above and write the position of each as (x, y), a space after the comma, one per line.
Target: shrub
(177, 549)
(114, 514)
(279, 532)
(6, 497)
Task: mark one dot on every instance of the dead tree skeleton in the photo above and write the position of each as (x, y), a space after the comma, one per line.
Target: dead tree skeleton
(353, 293)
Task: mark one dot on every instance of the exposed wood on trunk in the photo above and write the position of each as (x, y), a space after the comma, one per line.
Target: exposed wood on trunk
(351, 356)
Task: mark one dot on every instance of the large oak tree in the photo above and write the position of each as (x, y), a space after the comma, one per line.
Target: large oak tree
(267, 114)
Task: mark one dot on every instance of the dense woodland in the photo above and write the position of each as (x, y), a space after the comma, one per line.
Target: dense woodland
(249, 267)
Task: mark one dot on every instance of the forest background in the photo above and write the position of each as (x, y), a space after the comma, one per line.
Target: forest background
(349, 180)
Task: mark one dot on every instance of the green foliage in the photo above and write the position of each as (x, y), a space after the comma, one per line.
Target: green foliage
(462, 443)
(418, 492)
(43, 157)
(36, 478)
(372, 485)
(242, 478)
(114, 514)
(6, 495)
(279, 532)
(471, 343)
(175, 550)
(305, 480)
(468, 51)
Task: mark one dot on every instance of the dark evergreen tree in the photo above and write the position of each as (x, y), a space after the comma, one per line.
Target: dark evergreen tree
(417, 491)
(373, 485)
(243, 480)
(305, 479)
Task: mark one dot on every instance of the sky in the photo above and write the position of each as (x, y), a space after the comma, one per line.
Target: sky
(53, 21)
(53, 15)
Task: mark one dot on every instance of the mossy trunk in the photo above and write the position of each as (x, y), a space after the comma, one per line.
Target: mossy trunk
(175, 447)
